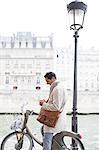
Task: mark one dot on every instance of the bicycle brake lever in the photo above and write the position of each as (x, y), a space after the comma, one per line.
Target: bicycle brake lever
(28, 112)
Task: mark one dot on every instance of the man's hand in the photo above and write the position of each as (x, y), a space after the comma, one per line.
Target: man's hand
(41, 102)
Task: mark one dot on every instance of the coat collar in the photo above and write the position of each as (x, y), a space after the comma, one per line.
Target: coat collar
(53, 85)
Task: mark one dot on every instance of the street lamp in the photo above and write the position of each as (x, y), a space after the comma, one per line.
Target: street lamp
(76, 10)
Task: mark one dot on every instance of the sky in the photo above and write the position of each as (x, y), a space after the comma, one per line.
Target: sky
(45, 17)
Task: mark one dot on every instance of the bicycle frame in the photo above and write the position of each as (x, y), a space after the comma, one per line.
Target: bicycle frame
(58, 138)
(33, 137)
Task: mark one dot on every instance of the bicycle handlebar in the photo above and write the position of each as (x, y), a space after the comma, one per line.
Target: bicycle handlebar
(30, 112)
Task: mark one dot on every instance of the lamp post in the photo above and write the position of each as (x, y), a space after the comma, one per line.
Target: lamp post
(76, 10)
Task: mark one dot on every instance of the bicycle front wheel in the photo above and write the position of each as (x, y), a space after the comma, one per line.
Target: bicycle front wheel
(10, 142)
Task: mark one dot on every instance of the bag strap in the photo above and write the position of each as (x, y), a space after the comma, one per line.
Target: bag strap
(51, 89)
(53, 86)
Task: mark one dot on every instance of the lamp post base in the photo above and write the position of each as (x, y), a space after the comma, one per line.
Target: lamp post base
(74, 129)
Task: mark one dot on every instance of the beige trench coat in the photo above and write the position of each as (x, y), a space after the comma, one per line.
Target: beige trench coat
(57, 101)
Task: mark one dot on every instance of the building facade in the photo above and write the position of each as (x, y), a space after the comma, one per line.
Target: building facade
(87, 69)
(24, 59)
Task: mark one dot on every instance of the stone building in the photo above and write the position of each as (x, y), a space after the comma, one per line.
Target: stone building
(87, 69)
(24, 59)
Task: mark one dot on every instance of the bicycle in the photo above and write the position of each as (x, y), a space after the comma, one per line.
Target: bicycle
(25, 140)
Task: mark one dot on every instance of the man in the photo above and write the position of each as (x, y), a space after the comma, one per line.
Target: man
(55, 102)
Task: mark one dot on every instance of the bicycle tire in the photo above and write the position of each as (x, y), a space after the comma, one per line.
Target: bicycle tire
(59, 143)
(11, 140)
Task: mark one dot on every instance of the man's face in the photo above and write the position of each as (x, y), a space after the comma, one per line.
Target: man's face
(49, 81)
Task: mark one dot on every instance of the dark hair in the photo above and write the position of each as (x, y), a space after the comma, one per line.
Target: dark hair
(50, 75)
